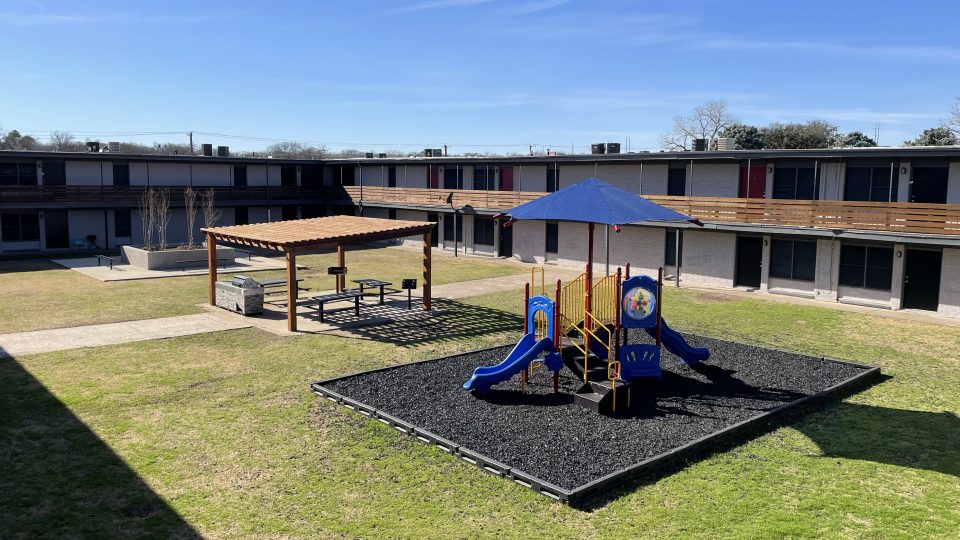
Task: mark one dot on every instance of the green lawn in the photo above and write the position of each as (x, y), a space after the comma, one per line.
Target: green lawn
(220, 434)
(38, 294)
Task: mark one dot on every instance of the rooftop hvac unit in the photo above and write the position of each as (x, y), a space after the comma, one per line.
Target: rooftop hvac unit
(93, 146)
(114, 147)
(437, 152)
(368, 155)
(598, 148)
(613, 148)
(699, 145)
(206, 149)
(725, 144)
(381, 155)
(428, 152)
(223, 151)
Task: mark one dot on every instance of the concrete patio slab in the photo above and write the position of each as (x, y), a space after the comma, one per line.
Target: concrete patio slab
(125, 272)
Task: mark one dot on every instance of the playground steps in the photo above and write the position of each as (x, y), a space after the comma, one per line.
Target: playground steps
(597, 396)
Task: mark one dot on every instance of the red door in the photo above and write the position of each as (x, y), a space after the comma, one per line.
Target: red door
(754, 184)
(434, 177)
(506, 178)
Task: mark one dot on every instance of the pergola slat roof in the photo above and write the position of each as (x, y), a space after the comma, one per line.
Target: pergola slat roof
(298, 235)
(317, 232)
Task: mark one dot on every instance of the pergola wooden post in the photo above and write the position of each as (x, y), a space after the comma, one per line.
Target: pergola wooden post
(291, 257)
(212, 268)
(299, 235)
(426, 270)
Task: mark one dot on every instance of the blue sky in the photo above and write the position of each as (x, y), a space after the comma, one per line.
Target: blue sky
(474, 74)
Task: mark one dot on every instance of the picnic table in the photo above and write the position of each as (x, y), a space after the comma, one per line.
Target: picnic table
(342, 296)
(374, 283)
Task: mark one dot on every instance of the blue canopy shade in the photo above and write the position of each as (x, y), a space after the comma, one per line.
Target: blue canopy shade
(595, 201)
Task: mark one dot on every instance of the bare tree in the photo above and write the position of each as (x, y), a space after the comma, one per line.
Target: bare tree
(162, 205)
(954, 122)
(190, 204)
(147, 217)
(61, 140)
(706, 122)
(211, 214)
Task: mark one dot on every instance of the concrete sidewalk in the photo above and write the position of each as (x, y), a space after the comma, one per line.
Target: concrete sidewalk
(96, 335)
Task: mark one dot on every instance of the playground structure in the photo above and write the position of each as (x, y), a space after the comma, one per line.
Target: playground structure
(585, 328)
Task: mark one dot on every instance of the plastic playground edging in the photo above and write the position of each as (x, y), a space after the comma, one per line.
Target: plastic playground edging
(621, 476)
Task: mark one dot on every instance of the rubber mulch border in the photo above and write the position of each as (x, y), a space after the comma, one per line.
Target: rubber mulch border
(583, 493)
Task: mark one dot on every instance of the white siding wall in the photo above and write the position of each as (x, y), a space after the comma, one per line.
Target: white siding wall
(530, 178)
(571, 174)
(708, 258)
(828, 266)
(256, 176)
(653, 178)
(85, 222)
(211, 174)
(410, 215)
(714, 180)
(626, 177)
(87, 173)
(950, 284)
(953, 183)
(529, 241)
(412, 176)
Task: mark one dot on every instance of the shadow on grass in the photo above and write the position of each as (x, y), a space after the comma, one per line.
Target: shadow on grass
(903, 438)
(59, 479)
(451, 321)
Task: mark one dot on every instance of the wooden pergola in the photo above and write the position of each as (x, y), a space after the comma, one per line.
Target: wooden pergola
(300, 235)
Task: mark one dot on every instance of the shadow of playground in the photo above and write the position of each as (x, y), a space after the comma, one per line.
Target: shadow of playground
(58, 479)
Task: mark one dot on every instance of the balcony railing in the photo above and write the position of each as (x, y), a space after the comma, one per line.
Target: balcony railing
(913, 218)
(131, 194)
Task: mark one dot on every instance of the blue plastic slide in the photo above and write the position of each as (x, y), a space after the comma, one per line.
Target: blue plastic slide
(675, 343)
(526, 351)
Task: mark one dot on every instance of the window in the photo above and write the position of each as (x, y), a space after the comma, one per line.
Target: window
(484, 177)
(870, 184)
(121, 174)
(240, 175)
(677, 182)
(793, 259)
(288, 213)
(553, 178)
(20, 226)
(348, 175)
(670, 250)
(391, 177)
(801, 183)
(869, 267)
(288, 176)
(121, 223)
(483, 228)
(452, 178)
(391, 214)
(448, 227)
(241, 215)
(54, 172)
(18, 174)
(553, 238)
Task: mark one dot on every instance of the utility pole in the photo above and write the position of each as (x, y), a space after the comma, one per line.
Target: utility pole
(190, 134)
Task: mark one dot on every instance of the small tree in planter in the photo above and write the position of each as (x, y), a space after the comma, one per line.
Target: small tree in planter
(147, 218)
(190, 203)
(211, 214)
(162, 205)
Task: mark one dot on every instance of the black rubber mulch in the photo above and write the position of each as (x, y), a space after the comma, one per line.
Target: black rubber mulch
(556, 440)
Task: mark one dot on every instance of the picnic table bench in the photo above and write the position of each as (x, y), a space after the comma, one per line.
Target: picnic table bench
(375, 283)
(342, 296)
(104, 259)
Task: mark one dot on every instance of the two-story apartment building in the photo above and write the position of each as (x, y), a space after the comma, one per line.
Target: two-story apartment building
(875, 226)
